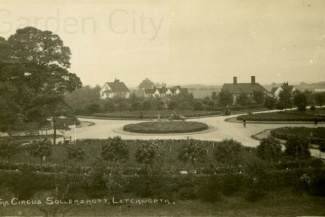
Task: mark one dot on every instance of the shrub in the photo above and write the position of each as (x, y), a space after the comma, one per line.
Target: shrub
(228, 151)
(269, 149)
(297, 146)
(40, 149)
(115, 150)
(76, 153)
(193, 152)
(150, 153)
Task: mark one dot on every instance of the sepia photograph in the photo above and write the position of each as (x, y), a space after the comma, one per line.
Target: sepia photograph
(162, 108)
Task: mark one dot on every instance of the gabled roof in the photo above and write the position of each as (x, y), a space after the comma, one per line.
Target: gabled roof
(247, 88)
(287, 87)
(118, 87)
(274, 89)
(284, 87)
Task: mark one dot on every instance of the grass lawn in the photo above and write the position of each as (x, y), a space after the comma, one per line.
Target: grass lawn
(279, 203)
(166, 127)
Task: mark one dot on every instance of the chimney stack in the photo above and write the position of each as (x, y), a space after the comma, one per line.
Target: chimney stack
(235, 80)
(253, 79)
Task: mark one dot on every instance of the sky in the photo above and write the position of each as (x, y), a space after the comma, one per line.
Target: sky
(184, 41)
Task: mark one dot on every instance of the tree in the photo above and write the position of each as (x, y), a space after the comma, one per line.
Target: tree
(172, 105)
(76, 153)
(198, 106)
(300, 100)
(115, 150)
(150, 153)
(214, 96)
(225, 98)
(109, 106)
(123, 106)
(9, 148)
(136, 105)
(146, 84)
(297, 146)
(269, 149)
(37, 66)
(269, 102)
(243, 100)
(80, 99)
(193, 152)
(319, 98)
(258, 96)
(146, 105)
(285, 98)
(93, 108)
(40, 149)
(228, 151)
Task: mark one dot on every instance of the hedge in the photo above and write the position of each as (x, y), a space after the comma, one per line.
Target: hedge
(173, 187)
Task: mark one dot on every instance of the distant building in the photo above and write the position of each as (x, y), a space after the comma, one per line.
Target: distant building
(236, 89)
(319, 90)
(114, 89)
(164, 91)
(277, 90)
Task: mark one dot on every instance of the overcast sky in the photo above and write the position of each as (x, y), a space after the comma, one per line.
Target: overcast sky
(182, 41)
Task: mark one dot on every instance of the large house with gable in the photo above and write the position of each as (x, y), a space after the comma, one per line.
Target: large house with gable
(236, 89)
(114, 89)
(164, 92)
(277, 90)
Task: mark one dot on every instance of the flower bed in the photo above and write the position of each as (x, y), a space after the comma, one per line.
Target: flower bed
(166, 127)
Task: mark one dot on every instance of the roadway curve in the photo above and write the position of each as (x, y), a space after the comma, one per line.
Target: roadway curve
(224, 129)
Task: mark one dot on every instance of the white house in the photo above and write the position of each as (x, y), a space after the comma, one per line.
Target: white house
(277, 90)
(114, 89)
(164, 91)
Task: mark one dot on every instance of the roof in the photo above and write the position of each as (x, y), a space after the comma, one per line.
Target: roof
(287, 87)
(239, 88)
(284, 87)
(274, 89)
(118, 87)
(163, 90)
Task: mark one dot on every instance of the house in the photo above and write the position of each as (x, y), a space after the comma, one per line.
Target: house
(236, 89)
(114, 89)
(164, 92)
(277, 90)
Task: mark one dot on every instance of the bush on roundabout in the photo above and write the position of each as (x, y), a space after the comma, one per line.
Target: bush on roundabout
(166, 127)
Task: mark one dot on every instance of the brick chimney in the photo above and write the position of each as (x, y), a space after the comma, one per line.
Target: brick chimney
(253, 79)
(235, 80)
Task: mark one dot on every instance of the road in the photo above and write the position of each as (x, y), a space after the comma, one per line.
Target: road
(106, 128)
